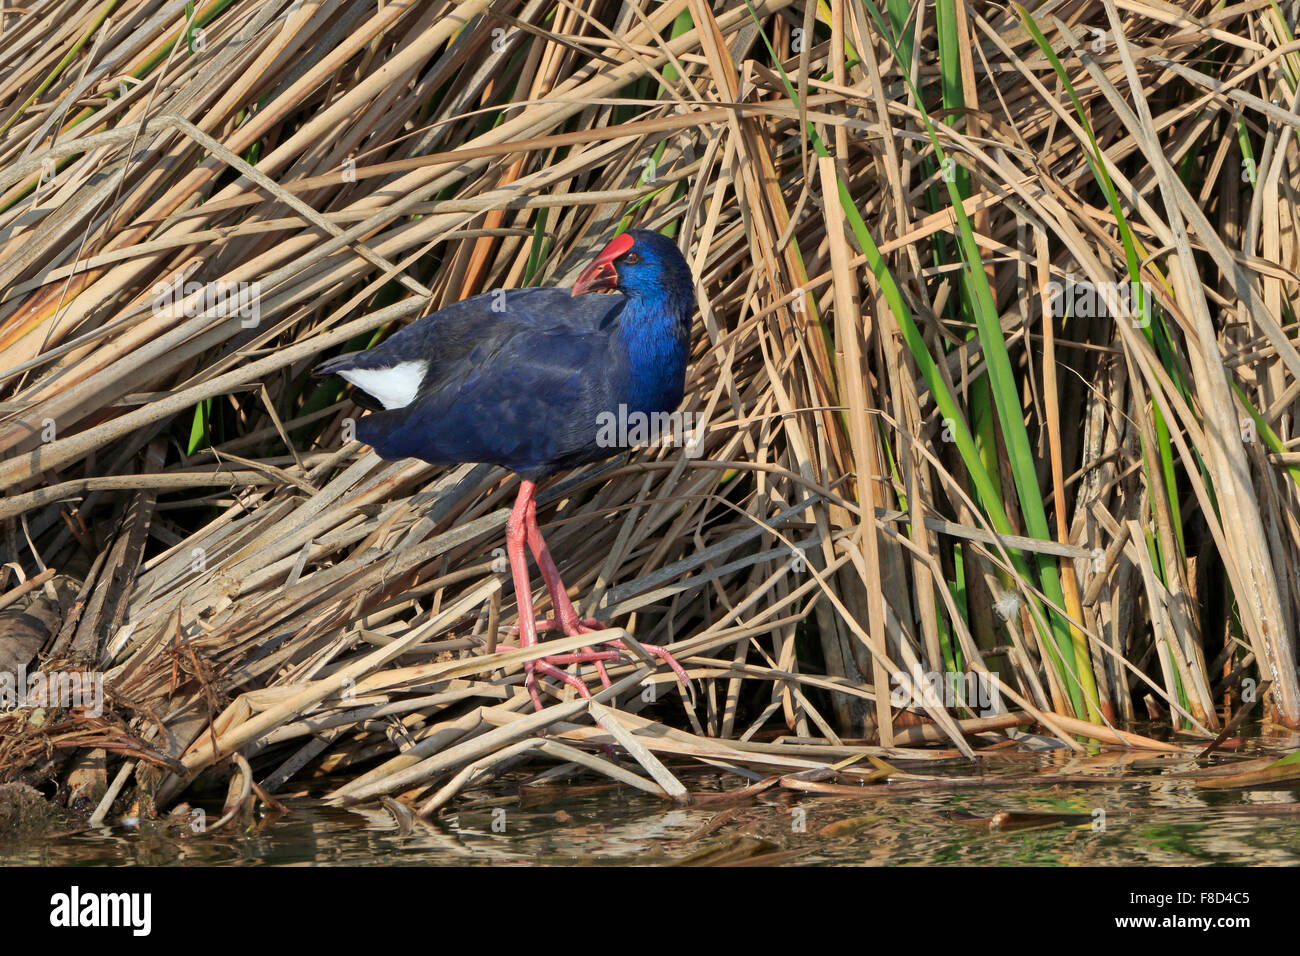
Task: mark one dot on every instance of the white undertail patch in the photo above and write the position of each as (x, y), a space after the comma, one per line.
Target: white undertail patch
(394, 387)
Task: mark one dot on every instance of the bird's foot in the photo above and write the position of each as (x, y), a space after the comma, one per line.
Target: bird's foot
(546, 666)
(622, 650)
(654, 650)
(552, 664)
(665, 655)
(580, 626)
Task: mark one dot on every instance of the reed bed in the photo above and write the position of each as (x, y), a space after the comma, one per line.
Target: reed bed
(995, 373)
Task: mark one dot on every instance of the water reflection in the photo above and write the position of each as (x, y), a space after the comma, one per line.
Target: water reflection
(1153, 816)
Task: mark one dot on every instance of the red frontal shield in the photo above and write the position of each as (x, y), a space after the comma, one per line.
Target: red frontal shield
(601, 274)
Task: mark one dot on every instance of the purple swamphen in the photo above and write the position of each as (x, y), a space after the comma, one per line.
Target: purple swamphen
(520, 378)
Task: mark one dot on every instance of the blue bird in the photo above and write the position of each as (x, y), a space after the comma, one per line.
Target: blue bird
(523, 378)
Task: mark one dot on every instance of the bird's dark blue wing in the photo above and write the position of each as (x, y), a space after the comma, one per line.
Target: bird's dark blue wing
(531, 405)
(519, 378)
(470, 330)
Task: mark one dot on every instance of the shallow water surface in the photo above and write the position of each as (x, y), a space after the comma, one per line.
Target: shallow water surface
(1143, 810)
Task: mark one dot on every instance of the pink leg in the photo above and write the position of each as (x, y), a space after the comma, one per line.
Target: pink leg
(516, 535)
(521, 529)
(568, 617)
(564, 610)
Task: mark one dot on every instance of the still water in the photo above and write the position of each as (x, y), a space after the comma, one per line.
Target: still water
(1142, 810)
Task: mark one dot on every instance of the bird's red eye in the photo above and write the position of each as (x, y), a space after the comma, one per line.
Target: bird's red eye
(631, 258)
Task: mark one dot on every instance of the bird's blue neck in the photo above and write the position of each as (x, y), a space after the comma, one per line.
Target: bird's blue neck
(657, 333)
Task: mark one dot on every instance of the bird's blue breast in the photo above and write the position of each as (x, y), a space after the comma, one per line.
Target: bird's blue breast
(655, 340)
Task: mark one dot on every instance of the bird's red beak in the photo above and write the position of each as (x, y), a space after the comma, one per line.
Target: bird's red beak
(601, 274)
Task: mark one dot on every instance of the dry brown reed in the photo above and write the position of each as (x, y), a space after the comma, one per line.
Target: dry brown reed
(255, 585)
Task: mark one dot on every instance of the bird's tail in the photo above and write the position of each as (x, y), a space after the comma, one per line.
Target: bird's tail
(340, 363)
(345, 363)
